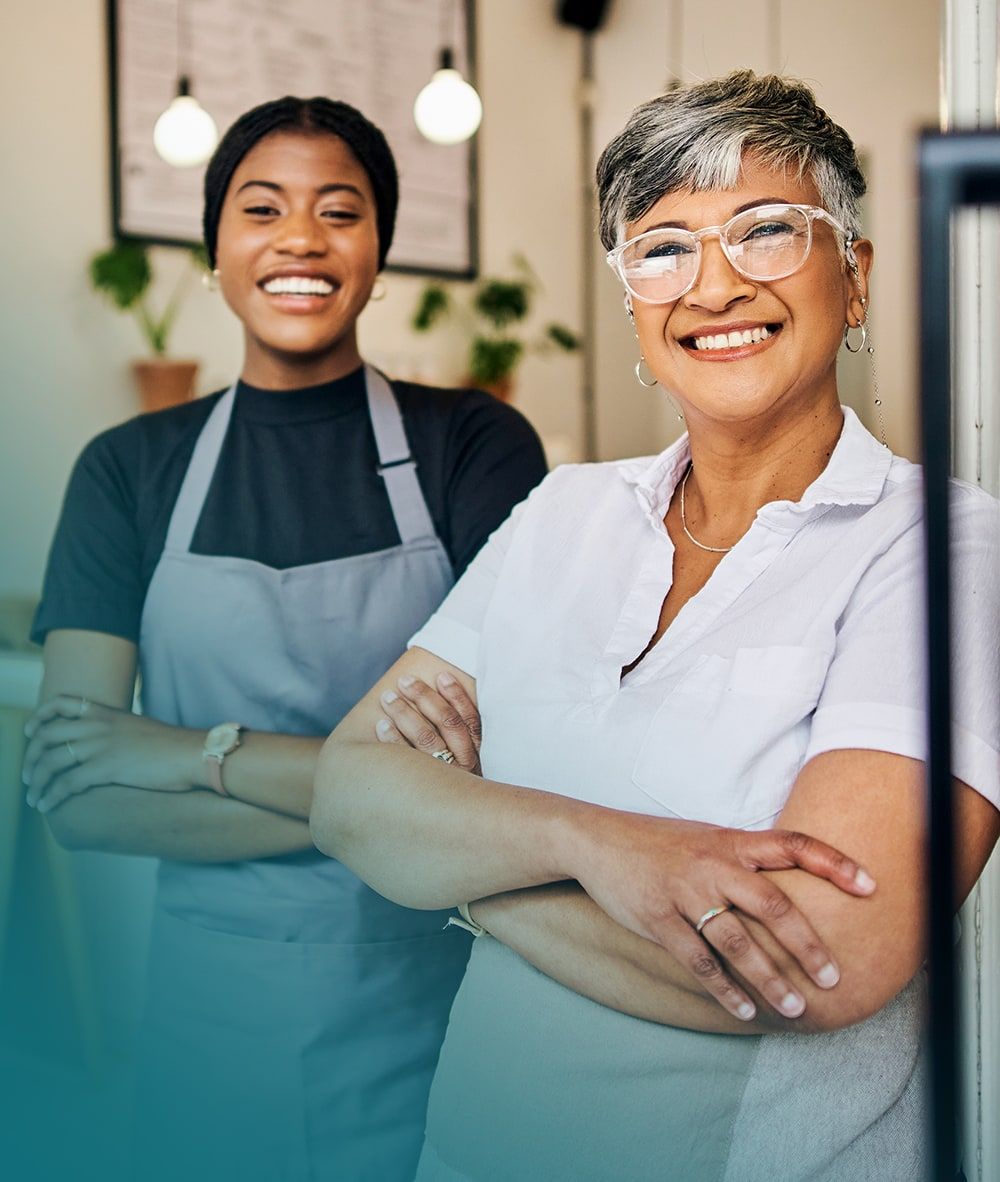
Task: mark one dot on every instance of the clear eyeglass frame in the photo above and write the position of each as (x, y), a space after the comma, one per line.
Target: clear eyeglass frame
(693, 238)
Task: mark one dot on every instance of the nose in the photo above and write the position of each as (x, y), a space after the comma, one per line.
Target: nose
(299, 232)
(718, 285)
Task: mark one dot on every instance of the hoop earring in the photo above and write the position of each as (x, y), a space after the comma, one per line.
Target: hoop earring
(848, 329)
(210, 279)
(638, 374)
(378, 290)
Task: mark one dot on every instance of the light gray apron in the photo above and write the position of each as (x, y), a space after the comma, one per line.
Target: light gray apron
(294, 1016)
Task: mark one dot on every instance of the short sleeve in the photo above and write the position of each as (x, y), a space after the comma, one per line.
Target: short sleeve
(93, 579)
(875, 691)
(453, 632)
(493, 460)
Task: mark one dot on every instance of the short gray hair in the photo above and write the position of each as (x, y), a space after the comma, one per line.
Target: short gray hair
(695, 138)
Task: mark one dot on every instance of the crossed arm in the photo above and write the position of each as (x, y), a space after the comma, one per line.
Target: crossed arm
(129, 784)
(604, 901)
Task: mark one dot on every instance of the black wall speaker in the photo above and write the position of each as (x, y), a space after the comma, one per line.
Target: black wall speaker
(583, 14)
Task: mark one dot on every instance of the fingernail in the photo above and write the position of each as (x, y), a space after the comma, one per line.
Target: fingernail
(792, 1005)
(27, 801)
(445, 679)
(43, 806)
(863, 880)
(405, 682)
(746, 1011)
(25, 779)
(383, 727)
(389, 696)
(828, 976)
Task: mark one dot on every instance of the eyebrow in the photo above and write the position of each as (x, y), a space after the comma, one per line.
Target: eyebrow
(335, 187)
(739, 209)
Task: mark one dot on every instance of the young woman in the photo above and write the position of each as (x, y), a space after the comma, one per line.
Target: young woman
(671, 656)
(261, 556)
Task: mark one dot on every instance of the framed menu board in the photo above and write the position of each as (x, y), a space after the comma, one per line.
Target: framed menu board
(374, 54)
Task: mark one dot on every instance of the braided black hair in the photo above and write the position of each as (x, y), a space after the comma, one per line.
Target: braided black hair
(315, 115)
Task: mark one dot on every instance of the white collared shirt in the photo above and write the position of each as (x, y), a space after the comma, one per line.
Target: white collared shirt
(808, 637)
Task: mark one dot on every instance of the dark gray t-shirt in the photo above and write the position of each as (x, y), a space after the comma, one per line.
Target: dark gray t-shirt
(296, 483)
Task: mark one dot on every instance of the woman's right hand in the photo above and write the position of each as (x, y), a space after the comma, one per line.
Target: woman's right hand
(433, 720)
(658, 877)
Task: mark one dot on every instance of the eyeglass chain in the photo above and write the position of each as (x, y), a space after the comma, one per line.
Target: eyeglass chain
(869, 348)
(878, 401)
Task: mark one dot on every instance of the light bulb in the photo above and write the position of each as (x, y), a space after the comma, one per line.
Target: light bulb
(447, 110)
(185, 134)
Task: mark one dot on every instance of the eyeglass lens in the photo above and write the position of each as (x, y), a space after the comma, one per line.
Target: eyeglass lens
(764, 243)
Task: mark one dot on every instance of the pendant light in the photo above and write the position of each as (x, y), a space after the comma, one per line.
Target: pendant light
(448, 110)
(185, 134)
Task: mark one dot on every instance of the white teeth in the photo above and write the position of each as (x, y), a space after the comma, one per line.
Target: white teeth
(732, 340)
(297, 285)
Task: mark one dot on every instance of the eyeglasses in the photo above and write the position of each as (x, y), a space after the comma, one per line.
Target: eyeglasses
(766, 242)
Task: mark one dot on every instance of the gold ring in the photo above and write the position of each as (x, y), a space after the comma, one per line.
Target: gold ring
(444, 755)
(712, 913)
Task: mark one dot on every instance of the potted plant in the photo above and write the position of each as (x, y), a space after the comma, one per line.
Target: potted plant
(489, 316)
(124, 275)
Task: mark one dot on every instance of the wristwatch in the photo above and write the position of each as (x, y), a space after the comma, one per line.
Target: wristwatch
(221, 740)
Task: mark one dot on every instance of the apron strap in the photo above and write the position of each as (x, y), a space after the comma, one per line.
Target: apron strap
(396, 466)
(201, 469)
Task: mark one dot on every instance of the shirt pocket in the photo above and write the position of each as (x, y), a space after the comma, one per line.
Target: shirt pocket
(726, 744)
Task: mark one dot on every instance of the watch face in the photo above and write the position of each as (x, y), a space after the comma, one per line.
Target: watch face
(223, 738)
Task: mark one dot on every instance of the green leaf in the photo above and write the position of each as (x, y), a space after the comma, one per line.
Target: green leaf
(200, 256)
(122, 273)
(565, 338)
(492, 360)
(434, 304)
(502, 302)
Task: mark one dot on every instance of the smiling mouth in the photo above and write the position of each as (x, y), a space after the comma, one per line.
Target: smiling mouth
(298, 285)
(729, 341)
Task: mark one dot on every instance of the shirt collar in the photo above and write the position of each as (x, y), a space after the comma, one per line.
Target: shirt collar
(855, 475)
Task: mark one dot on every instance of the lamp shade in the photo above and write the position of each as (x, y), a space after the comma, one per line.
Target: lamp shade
(448, 110)
(185, 134)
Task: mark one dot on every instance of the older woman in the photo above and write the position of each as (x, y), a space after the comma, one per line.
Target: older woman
(672, 656)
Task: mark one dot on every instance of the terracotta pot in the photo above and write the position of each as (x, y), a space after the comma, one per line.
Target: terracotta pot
(503, 390)
(163, 382)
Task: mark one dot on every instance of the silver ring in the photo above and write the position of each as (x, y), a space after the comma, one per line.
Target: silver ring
(444, 755)
(84, 707)
(72, 753)
(712, 913)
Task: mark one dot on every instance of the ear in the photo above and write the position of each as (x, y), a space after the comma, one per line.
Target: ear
(860, 255)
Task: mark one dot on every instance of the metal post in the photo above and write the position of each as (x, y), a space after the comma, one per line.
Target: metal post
(955, 170)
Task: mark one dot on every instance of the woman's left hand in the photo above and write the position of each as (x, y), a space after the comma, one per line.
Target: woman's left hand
(434, 721)
(75, 744)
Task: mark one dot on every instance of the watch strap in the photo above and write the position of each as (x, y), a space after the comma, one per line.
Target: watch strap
(213, 772)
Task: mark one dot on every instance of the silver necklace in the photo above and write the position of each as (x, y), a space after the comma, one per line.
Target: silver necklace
(684, 524)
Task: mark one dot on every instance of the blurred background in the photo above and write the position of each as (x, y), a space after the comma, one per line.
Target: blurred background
(552, 96)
